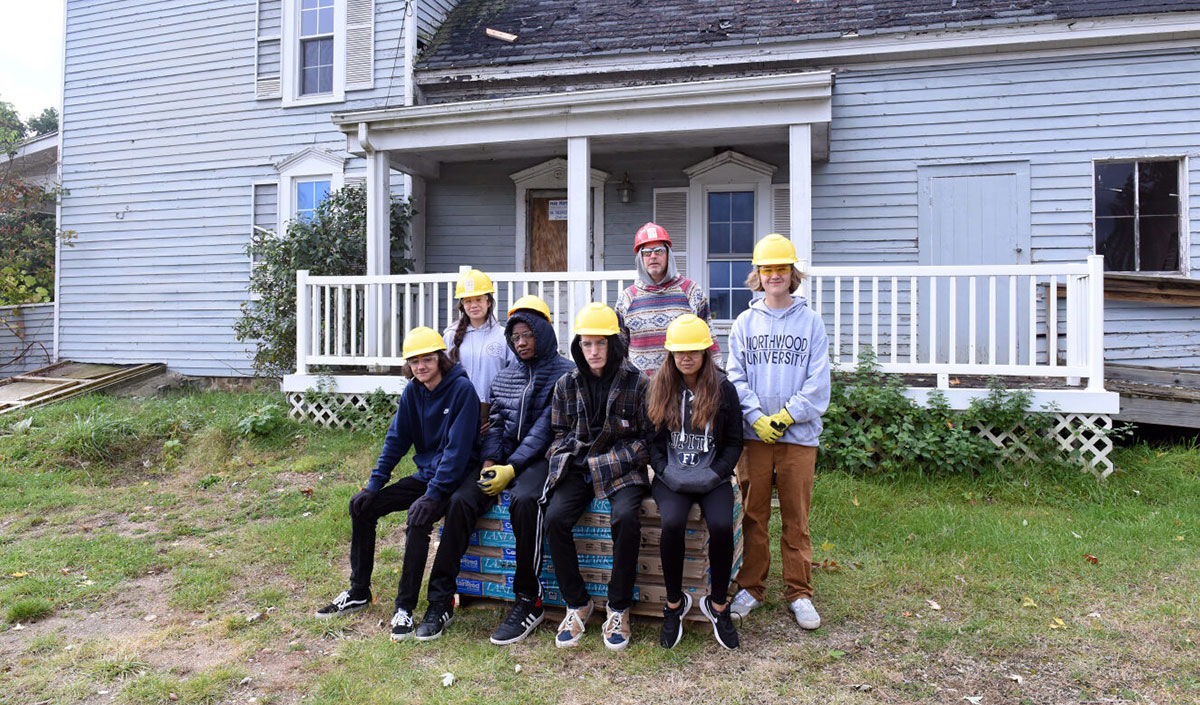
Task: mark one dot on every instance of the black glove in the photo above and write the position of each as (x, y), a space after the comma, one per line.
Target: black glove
(425, 511)
(360, 501)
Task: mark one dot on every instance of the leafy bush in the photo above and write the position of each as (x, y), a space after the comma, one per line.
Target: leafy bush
(872, 428)
(333, 242)
(262, 422)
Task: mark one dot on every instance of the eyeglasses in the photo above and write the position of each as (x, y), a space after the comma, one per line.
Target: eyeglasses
(772, 271)
(659, 250)
(516, 338)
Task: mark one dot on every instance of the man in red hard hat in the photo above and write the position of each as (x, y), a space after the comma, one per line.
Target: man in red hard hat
(659, 296)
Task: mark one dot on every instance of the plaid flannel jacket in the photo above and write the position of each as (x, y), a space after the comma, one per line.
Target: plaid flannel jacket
(618, 457)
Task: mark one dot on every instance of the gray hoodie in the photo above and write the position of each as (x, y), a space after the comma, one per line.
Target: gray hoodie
(779, 358)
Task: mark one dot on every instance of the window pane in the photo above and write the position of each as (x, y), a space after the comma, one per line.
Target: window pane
(719, 303)
(308, 23)
(743, 238)
(718, 238)
(1158, 188)
(743, 206)
(740, 301)
(1114, 188)
(304, 196)
(312, 53)
(325, 25)
(741, 270)
(311, 82)
(325, 52)
(1114, 240)
(718, 275)
(718, 208)
(1158, 243)
(326, 82)
(321, 189)
(308, 4)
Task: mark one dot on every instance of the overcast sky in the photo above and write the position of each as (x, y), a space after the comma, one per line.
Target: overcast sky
(31, 55)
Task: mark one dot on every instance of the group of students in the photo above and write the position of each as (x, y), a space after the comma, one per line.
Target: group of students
(496, 408)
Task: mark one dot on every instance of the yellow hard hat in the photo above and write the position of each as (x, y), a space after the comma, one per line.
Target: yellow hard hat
(422, 340)
(473, 283)
(774, 249)
(530, 302)
(688, 332)
(596, 319)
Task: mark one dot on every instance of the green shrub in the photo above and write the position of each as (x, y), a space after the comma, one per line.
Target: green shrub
(872, 428)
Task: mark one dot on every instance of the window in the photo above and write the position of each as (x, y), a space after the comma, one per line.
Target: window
(1137, 215)
(730, 245)
(309, 195)
(316, 47)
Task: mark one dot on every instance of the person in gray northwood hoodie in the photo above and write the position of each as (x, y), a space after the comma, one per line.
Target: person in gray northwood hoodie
(779, 364)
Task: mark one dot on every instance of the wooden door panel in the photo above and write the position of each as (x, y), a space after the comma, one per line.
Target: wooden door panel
(547, 238)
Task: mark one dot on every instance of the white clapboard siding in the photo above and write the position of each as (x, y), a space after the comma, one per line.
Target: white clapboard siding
(670, 211)
(34, 346)
(165, 134)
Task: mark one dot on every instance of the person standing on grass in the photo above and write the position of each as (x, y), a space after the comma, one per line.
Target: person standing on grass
(600, 449)
(659, 296)
(438, 418)
(514, 451)
(699, 421)
(476, 340)
(779, 363)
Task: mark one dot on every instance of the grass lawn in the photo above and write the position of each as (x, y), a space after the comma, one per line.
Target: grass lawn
(152, 553)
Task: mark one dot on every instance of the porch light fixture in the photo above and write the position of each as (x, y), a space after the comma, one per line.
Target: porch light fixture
(625, 189)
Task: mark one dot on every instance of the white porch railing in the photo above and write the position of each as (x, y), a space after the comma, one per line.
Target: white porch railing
(1041, 320)
(1020, 321)
(360, 321)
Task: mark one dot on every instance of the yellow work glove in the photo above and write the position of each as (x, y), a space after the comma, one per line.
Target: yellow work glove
(493, 480)
(782, 420)
(765, 431)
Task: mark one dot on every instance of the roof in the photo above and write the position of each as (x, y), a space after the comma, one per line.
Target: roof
(554, 29)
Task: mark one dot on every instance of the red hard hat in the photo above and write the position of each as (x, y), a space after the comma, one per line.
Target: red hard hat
(648, 233)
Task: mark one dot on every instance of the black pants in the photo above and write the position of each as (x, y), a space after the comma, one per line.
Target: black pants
(566, 503)
(396, 497)
(466, 506)
(717, 506)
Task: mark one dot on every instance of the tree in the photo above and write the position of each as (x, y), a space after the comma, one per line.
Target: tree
(332, 243)
(12, 130)
(43, 124)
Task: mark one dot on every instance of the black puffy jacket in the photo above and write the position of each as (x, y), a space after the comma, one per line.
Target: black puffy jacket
(520, 398)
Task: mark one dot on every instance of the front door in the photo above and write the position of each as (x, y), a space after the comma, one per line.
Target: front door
(547, 231)
(974, 214)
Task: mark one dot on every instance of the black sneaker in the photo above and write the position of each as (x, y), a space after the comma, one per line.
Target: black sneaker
(522, 619)
(402, 624)
(345, 603)
(672, 628)
(722, 623)
(437, 618)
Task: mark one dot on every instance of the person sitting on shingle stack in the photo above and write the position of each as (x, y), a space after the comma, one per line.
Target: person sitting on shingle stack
(660, 295)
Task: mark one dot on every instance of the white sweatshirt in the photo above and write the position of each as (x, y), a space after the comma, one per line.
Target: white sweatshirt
(483, 353)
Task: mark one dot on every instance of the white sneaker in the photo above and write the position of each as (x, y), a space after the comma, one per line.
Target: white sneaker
(743, 603)
(806, 614)
(573, 626)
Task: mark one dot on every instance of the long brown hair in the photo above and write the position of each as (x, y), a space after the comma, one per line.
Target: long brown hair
(754, 281)
(464, 320)
(667, 386)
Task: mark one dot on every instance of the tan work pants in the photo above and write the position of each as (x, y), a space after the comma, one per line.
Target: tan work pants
(793, 467)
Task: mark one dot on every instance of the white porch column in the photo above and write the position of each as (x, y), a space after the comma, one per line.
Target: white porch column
(579, 165)
(800, 189)
(377, 307)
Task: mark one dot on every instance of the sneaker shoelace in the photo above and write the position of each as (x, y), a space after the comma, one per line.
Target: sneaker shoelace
(613, 625)
(572, 615)
(341, 600)
(518, 615)
(401, 619)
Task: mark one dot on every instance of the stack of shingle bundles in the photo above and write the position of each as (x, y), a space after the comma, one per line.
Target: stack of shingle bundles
(488, 566)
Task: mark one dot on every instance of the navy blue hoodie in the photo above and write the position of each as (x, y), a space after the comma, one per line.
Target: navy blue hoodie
(441, 426)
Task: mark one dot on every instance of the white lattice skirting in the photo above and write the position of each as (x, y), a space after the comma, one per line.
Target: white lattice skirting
(327, 410)
(1083, 436)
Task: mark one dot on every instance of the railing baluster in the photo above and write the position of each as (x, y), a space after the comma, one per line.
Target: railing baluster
(971, 320)
(854, 320)
(314, 326)
(1013, 332)
(912, 320)
(392, 322)
(952, 306)
(875, 316)
(353, 320)
(1052, 321)
(895, 321)
(991, 320)
(420, 307)
(341, 331)
(1033, 320)
(932, 320)
(837, 320)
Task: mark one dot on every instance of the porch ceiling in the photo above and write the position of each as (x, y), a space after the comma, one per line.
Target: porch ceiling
(749, 111)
